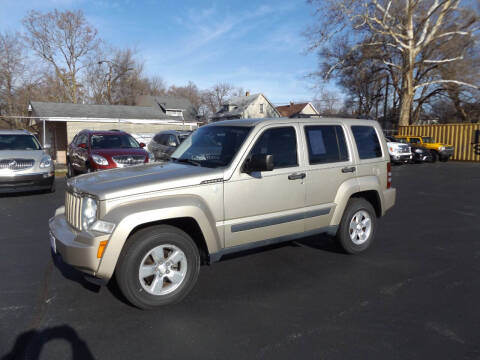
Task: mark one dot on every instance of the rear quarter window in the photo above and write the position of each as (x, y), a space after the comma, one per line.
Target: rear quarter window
(367, 141)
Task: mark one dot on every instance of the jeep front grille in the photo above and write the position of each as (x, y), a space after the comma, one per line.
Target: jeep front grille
(128, 160)
(404, 149)
(73, 210)
(16, 164)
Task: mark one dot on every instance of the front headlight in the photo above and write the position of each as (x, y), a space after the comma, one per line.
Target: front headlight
(46, 161)
(100, 160)
(441, 148)
(89, 212)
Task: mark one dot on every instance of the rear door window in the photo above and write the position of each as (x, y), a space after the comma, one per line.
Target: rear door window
(326, 144)
(367, 142)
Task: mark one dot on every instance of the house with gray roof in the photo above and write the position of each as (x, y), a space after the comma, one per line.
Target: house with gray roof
(179, 107)
(246, 107)
(58, 123)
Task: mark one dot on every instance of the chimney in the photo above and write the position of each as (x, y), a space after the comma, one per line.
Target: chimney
(247, 93)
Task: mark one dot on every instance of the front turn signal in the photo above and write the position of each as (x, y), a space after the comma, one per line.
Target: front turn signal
(101, 248)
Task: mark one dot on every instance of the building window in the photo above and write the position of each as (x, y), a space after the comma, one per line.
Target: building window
(261, 108)
(174, 112)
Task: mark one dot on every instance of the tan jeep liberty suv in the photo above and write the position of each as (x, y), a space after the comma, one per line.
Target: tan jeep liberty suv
(231, 186)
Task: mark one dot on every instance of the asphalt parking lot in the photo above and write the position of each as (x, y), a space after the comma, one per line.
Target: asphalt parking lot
(414, 295)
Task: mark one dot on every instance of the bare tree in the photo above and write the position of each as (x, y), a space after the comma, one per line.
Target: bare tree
(412, 29)
(327, 102)
(218, 94)
(190, 92)
(63, 40)
(12, 68)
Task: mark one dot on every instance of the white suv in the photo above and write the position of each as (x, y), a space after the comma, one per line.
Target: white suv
(399, 152)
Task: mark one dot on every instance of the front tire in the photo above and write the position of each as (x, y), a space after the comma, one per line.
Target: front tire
(357, 227)
(158, 266)
(434, 156)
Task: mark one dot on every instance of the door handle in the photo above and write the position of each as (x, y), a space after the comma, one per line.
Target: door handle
(296, 176)
(348, 169)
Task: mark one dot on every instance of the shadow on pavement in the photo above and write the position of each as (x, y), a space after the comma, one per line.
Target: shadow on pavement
(29, 345)
(321, 242)
(72, 274)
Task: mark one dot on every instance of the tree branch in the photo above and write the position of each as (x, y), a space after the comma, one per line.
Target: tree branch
(447, 81)
(443, 61)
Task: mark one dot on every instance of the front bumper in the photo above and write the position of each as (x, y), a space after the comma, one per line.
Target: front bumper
(446, 152)
(76, 248)
(422, 157)
(401, 158)
(27, 182)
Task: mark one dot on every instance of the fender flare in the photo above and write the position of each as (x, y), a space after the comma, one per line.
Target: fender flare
(129, 216)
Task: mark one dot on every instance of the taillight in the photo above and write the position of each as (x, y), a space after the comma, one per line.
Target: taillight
(389, 175)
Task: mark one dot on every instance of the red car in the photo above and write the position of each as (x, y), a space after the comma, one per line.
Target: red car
(93, 150)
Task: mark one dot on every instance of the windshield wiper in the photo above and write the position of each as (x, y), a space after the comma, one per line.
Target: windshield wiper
(187, 161)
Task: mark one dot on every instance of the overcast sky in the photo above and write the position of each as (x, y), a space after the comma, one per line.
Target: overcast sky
(257, 45)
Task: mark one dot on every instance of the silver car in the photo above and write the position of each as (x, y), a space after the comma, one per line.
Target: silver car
(24, 165)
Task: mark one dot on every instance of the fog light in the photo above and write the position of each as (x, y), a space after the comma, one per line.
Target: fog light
(103, 226)
(101, 248)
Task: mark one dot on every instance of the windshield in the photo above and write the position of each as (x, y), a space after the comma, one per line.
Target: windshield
(428, 139)
(116, 141)
(19, 142)
(212, 146)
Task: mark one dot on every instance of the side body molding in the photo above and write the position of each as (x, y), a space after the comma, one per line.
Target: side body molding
(129, 216)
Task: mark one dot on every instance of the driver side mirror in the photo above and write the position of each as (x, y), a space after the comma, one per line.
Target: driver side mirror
(259, 162)
(82, 145)
(142, 145)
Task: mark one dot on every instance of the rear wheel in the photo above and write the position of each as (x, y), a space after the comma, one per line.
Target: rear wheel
(357, 227)
(443, 158)
(158, 266)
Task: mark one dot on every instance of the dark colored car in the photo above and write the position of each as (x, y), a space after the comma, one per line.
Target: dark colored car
(93, 150)
(419, 154)
(164, 143)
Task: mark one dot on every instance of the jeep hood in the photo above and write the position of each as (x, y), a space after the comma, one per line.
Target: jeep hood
(110, 184)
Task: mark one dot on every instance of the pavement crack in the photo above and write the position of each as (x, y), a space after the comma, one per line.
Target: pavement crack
(42, 302)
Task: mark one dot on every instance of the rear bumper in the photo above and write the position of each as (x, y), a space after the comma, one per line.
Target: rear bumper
(389, 197)
(30, 182)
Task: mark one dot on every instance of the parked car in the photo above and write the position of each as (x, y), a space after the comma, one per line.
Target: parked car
(24, 164)
(164, 143)
(419, 154)
(399, 153)
(233, 185)
(438, 150)
(93, 150)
